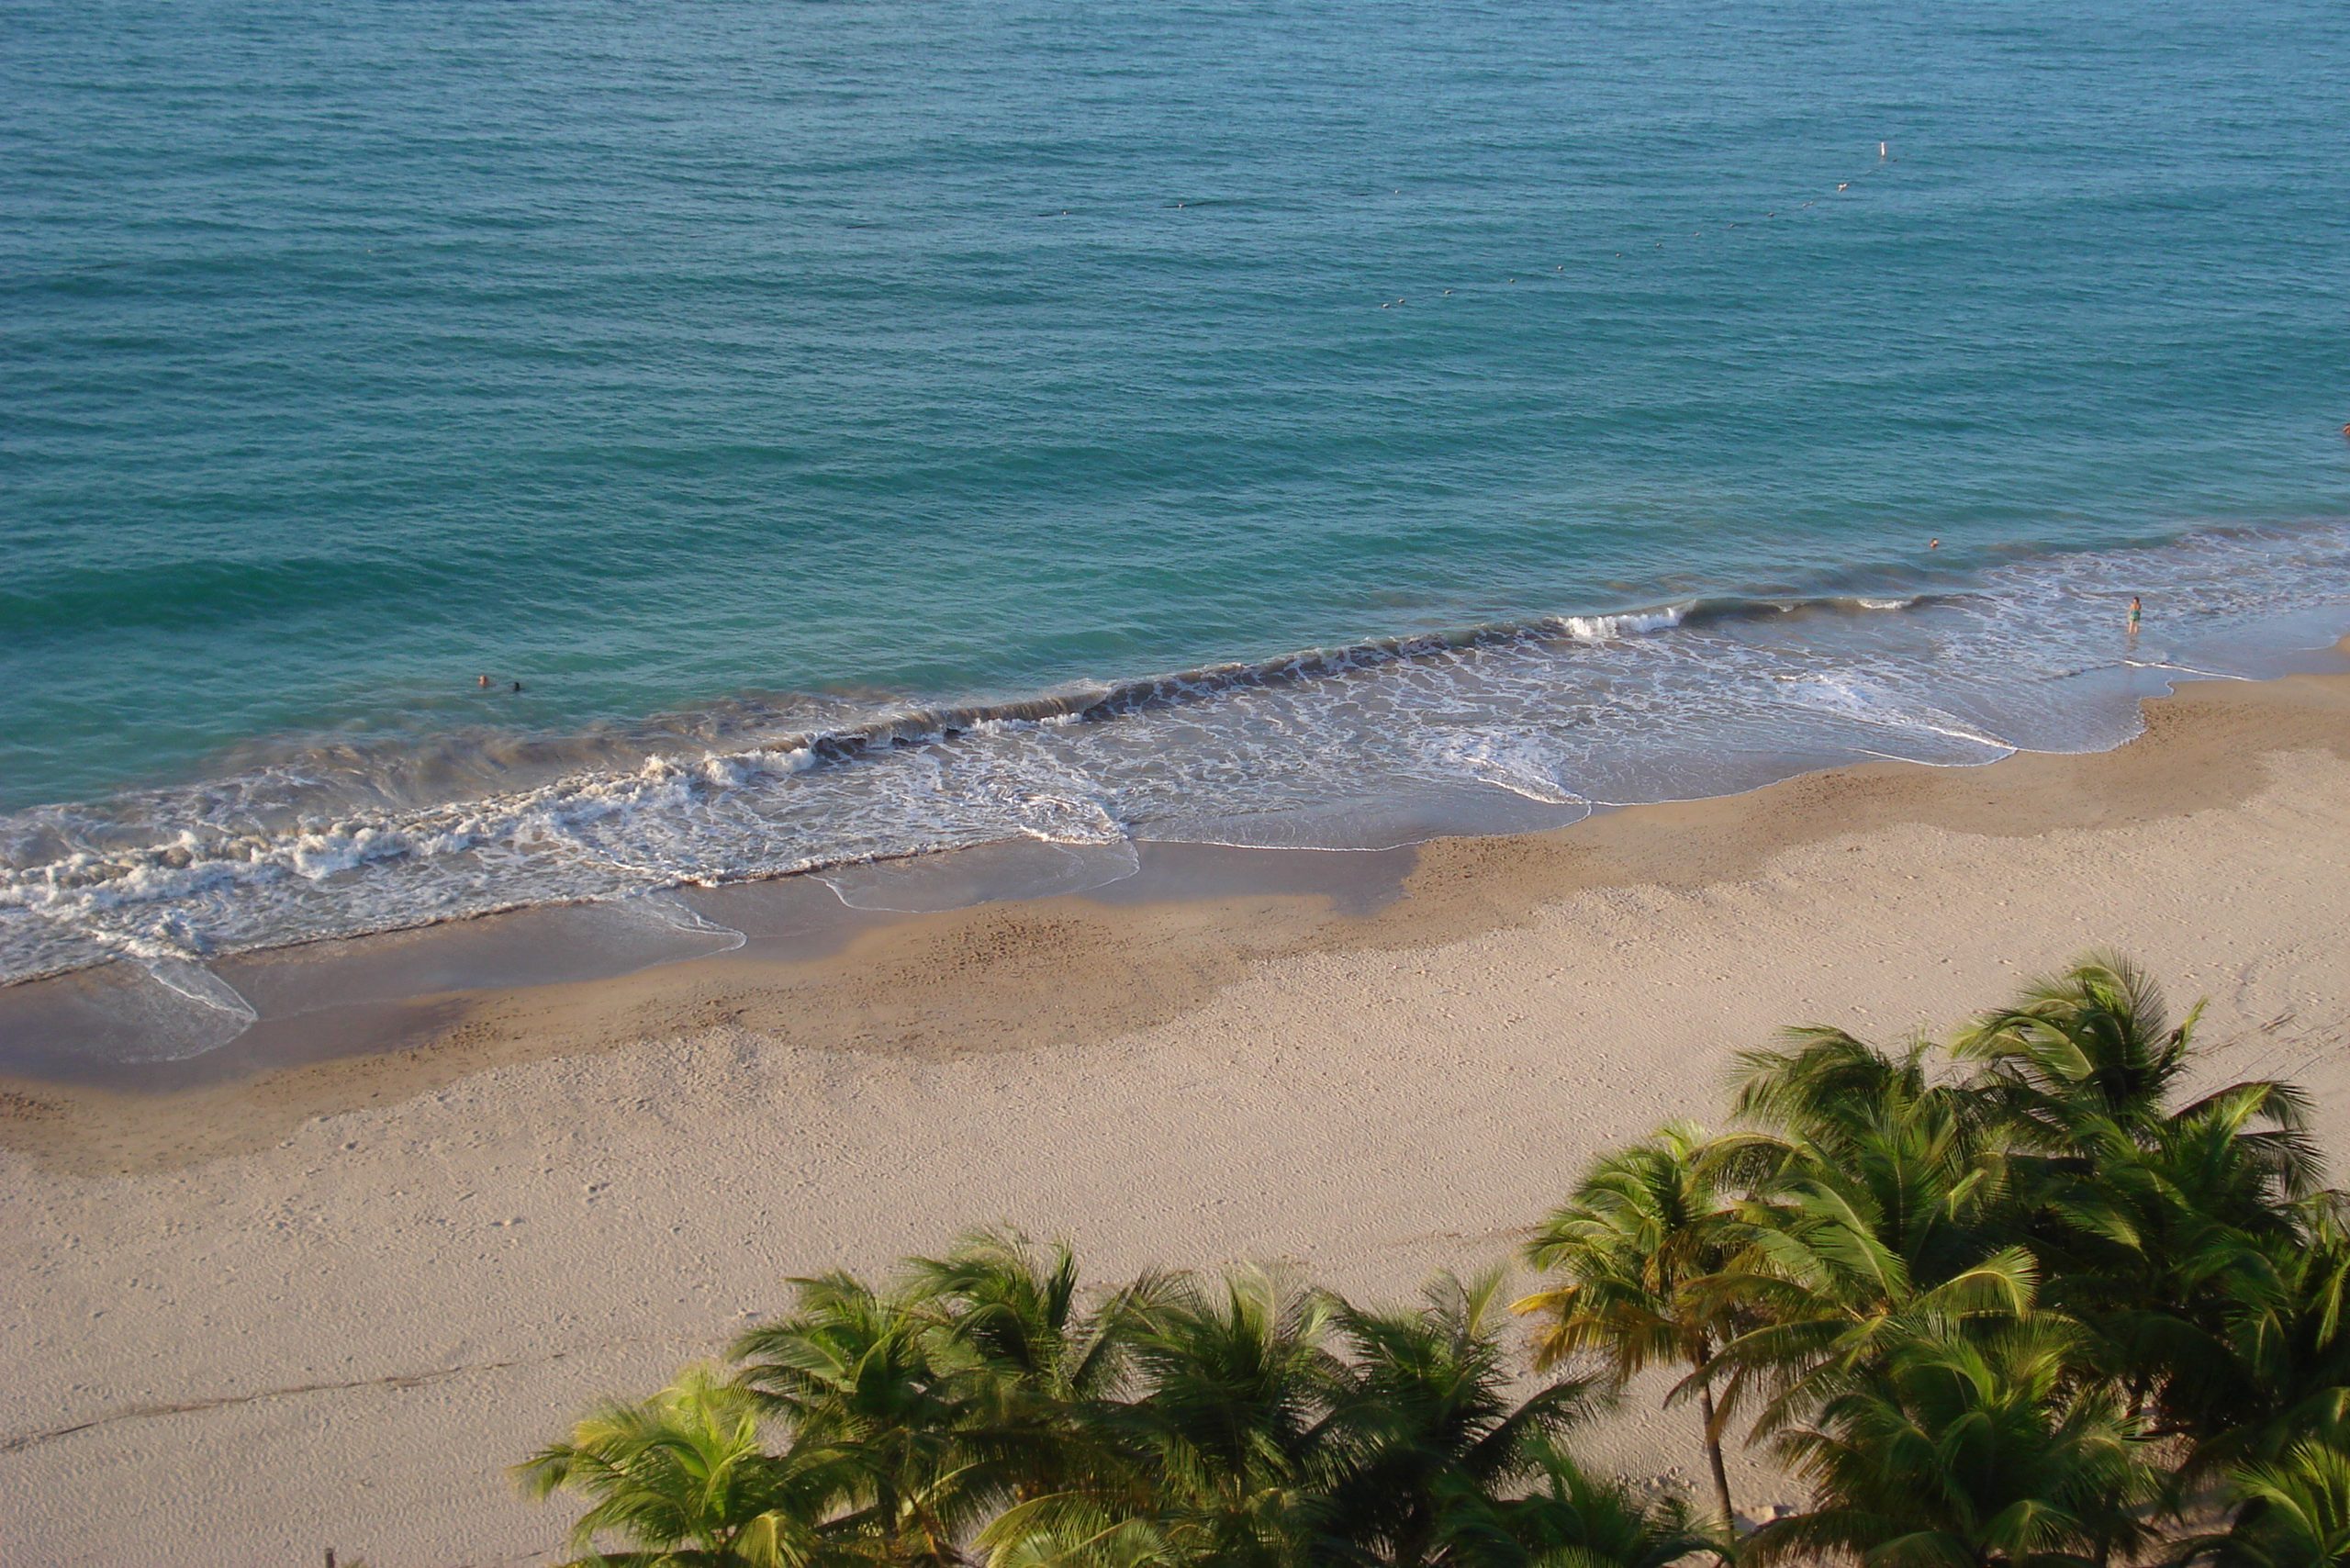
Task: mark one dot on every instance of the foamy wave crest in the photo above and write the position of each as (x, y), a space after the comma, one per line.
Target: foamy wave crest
(1606, 628)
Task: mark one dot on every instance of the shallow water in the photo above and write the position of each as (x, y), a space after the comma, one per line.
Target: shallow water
(828, 415)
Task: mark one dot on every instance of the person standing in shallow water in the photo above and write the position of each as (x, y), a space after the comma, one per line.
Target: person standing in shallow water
(2134, 614)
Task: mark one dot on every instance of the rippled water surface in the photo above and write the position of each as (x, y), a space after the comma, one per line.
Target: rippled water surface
(838, 418)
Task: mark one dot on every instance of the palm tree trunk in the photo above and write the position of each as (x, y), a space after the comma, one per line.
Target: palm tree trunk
(2139, 1389)
(1713, 1435)
(1713, 1455)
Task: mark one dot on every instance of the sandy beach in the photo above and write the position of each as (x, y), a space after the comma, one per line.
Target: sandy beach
(327, 1305)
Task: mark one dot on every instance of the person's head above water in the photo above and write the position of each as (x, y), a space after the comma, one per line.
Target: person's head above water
(482, 681)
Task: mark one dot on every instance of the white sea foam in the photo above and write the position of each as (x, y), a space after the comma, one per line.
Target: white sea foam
(1874, 702)
(1517, 763)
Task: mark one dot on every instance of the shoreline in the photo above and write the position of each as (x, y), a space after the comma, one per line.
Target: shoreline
(379, 1278)
(844, 969)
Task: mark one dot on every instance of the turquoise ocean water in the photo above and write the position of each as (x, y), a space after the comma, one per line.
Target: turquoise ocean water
(834, 416)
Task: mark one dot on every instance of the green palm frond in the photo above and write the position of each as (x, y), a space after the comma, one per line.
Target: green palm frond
(2294, 1513)
(1574, 1519)
(684, 1476)
(1982, 1450)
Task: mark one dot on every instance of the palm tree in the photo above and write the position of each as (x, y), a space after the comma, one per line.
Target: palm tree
(1643, 1227)
(2283, 1371)
(1431, 1434)
(2292, 1513)
(1074, 1530)
(1226, 1455)
(2158, 1228)
(855, 1371)
(1237, 1422)
(1825, 1088)
(1031, 1370)
(1880, 1220)
(2170, 1242)
(1974, 1453)
(2096, 1043)
(1573, 1520)
(2154, 1249)
(684, 1478)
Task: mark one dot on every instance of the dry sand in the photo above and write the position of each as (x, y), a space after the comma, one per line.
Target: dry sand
(326, 1307)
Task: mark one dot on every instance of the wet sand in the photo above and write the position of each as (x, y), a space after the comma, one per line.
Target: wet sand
(324, 1299)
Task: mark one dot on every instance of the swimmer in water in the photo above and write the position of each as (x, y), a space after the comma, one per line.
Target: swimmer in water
(482, 681)
(2134, 608)
(1933, 543)
(518, 686)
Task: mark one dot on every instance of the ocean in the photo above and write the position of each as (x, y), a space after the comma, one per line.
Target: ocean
(838, 433)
